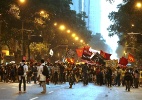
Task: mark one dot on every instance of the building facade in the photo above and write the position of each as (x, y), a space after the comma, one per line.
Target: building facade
(92, 10)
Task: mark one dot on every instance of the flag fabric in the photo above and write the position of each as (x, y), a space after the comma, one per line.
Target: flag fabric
(93, 52)
(105, 55)
(79, 52)
(123, 61)
(131, 58)
(97, 58)
(86, 53)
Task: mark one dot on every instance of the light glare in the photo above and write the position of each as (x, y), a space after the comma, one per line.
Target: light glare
(22, 1)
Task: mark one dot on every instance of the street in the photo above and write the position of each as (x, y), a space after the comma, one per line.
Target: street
(9, 91)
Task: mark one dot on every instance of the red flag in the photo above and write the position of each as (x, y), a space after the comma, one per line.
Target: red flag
(131, 58)
(79, 52)
(123, 61)
(86, 48)
(86, 53)
(108, 56)
(105, 55)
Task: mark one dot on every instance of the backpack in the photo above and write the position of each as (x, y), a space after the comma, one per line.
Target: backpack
(35, 69)
(21, 70)
(45, 71)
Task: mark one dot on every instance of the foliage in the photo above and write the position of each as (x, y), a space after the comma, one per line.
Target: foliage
(112, 1)
(13, 14)
(128, 19)
(38, 47)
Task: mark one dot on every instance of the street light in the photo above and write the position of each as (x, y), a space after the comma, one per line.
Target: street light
(81, 41)
(76, 38)
(62, 27)
(55, 24)
(138, 5)
(22, 31)
(22, 1)
(73, 35)
(68, 31)
(132, 25)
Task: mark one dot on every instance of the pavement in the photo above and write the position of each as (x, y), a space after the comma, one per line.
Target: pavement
(9, 91)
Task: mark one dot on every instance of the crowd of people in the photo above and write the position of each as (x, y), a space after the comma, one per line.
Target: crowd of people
(72, 73)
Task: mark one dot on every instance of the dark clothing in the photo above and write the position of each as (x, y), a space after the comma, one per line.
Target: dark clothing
(12, 75)
(128, 79)
(61, 76)
(118, 78)
(101, 78)
(109, 77)
(85, 78)
(136, 79)
(128, 76)
(71, 79)
(35, 74)
(22, 79)
(128, 85)
(84, 69)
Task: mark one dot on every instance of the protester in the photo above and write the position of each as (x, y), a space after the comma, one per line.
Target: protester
(118, 76)
(128, 79)
(35, 73)
(41, 77)
(109, 77)
(136, 78)
(71, 79)
(22, 76)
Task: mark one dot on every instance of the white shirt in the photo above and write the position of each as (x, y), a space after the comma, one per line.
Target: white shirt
(40, 75)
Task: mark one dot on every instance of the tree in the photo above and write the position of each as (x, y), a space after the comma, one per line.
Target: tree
(128, 19)
(14, 14)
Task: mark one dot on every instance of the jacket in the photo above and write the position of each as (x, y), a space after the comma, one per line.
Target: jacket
(128, 76)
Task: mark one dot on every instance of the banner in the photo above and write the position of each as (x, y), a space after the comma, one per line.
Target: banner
(86, 53)
(97, 58)
(111, 63)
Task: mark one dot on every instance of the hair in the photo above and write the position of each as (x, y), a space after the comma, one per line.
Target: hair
(42, 60)
(23, 60)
